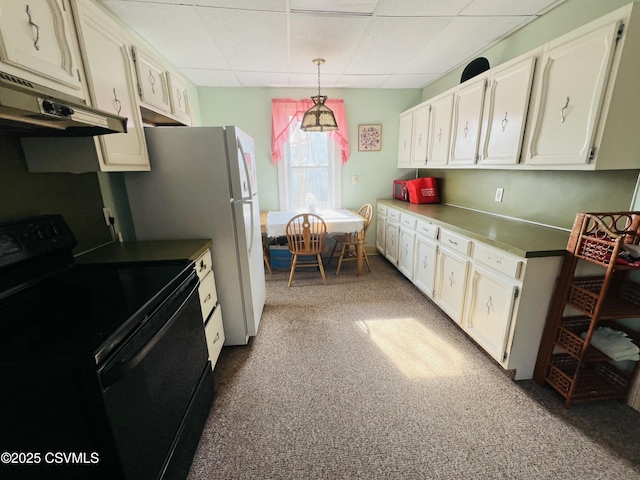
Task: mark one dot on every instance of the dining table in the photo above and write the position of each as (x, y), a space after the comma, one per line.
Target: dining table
(338, 221)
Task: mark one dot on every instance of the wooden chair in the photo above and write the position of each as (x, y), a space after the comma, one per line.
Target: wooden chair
(349, 241)
(306, 234)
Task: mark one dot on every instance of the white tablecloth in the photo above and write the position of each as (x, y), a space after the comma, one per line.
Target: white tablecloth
(338, 221)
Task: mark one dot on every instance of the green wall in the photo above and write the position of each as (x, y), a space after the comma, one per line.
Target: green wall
(250, 109)
(74, 196)
(548, 197)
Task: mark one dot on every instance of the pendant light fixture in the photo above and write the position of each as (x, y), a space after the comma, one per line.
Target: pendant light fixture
(318, 118)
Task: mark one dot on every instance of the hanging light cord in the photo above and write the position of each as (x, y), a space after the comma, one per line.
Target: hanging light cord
(318, 64)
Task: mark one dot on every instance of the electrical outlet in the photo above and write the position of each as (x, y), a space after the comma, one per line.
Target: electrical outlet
(107, 214)
(499, 193)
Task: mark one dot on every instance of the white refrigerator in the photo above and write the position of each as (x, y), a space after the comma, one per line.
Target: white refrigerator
(202, 184)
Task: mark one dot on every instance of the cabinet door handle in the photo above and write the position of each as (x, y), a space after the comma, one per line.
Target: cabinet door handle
(451, 241)
(152, 81)
(562, 115)
(203, 266)
(425, 263)
(207, 298)
(118, 103)
(179, 98)
(452, 280)
(466, 129)
(440, 136)
(216, 339)
(489, 306)
(37, 40)
(505, 122)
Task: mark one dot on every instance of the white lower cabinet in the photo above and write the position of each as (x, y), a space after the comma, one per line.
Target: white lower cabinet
(451, 279)
(424, 265)
(214, 334)
(392, 236)
(499, 299)
(489, 311)
(391, 241)
(406, 245)
(209, 306)
(381, 226)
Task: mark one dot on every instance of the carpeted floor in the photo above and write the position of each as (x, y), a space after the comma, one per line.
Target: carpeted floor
(366, 378)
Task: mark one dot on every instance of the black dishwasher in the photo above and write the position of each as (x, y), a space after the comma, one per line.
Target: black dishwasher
(104, 369)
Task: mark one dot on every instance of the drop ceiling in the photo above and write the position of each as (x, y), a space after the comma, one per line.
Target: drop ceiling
(366, 43)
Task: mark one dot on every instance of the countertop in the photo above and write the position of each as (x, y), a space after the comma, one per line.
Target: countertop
(518, 237)
(147, 251)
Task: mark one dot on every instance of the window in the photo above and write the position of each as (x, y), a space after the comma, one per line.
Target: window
(309, 164)
(310, 171)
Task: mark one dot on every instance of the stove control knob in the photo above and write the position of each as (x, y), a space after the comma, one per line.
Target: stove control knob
(48, 106)
(66, 111)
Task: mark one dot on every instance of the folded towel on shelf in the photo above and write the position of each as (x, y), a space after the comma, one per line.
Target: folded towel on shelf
(614, 344)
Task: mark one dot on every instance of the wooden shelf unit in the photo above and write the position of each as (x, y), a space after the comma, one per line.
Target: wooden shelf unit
(567, 361)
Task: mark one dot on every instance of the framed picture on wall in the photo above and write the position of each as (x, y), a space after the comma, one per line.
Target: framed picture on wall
(370, 137)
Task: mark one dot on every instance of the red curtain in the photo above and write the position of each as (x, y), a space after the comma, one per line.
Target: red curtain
(285, 111)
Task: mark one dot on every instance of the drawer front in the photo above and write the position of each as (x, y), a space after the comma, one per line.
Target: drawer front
(408, 221)
(497, 260)
(393, 214)
(208, 296)
(382, 209)
(214, 334)
(425, 229)
(455, 242)
(203, 264)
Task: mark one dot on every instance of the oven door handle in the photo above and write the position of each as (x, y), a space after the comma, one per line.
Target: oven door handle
(118, 367)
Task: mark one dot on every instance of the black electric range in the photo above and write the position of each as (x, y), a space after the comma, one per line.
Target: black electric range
(105, 367)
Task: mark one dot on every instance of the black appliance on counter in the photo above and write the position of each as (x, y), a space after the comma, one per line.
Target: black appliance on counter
(104, 371)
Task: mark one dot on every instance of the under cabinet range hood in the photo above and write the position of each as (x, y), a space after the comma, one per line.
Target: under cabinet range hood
(28, 109)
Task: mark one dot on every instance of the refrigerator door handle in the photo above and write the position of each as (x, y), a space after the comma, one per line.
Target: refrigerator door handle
(247, 173)
(253, 226)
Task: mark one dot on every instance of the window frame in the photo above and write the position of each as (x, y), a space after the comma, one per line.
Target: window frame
(334, 172)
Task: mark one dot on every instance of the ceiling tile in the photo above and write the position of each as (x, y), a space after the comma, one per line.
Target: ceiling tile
(253, 79)
(460, 41)
(249, 40)
(422, 8)
(311, 81)
(211, 78)
(390, 43)
(333, 38)
(264, 5)
(408, 81)
(507, 7)
(343, 6)
(362, 81)
(164, 27)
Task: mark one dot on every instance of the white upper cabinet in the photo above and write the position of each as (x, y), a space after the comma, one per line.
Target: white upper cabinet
(179, 100)
(153, 82)
(505, 111)
(112, 87)
(404, 139)
(419, 136)
(569, 104)
(440, 130)
(586, 98)
(468, 101)
(574, 75)
(38, 43)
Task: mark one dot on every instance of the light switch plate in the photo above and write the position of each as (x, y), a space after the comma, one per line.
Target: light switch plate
(499, 193)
